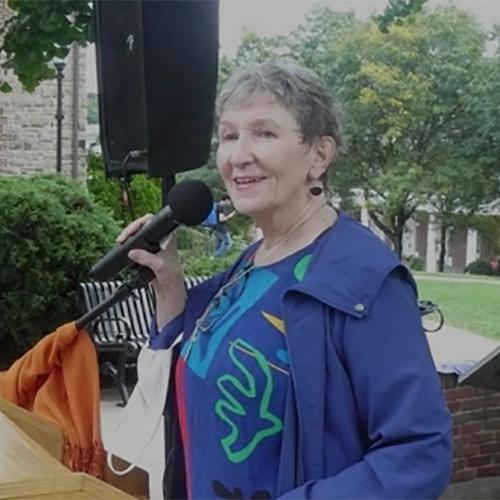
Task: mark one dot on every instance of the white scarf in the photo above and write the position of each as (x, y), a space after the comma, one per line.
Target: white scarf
(141, 418)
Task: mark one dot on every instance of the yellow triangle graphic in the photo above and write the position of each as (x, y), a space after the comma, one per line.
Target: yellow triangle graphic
(275, 321)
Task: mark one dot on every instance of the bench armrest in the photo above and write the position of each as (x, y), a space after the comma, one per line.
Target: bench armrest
(122, 336)
(427, 307)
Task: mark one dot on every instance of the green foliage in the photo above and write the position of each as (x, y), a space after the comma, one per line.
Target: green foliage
(239, 224)
(40, 31)
(195, 264)
(145, 192)
(488, 227)
(209, 175)
(226, 68)
(254, 49)
(92, 109)
(53, 234)
(420, 100)
(480, 125)
(397, 11)
(196, 245)
(480, 267)
(414, 98)
(196, 249)
(402, 94)
(415, 263)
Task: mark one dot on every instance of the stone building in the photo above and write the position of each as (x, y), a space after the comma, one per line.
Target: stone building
(28, 125)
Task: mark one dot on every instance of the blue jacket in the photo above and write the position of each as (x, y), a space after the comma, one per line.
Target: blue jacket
(365, 416)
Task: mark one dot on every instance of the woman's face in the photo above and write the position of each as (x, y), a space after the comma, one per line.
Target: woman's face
(261, 157)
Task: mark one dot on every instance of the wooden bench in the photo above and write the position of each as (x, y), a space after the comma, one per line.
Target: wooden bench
(121, 331)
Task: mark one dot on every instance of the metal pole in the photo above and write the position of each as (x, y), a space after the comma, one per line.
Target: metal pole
(141, 279)
(76, 111)
(59, 114)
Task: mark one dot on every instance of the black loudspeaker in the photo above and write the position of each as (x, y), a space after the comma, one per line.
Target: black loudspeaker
(157, 78)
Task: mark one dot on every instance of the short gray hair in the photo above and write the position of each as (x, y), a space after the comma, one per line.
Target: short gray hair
(296, 88)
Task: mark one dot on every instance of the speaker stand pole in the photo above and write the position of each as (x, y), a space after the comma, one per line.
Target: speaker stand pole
(126, 199)
(167, 183)
(59, 65)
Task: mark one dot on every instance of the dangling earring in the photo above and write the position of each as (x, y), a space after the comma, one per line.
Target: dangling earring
(316, 190)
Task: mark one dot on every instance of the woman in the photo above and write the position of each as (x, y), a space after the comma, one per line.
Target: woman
(303, 370)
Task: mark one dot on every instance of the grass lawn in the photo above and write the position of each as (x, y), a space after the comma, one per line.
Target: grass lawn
(472, 306)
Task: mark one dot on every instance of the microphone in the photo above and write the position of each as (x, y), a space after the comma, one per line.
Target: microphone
(188, 202)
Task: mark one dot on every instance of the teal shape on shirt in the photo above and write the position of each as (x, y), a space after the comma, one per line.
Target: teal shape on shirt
(301, 267)
(258, 283)
(282, 355)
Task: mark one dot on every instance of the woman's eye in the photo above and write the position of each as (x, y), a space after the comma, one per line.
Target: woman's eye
(230, 136)
(266, 134)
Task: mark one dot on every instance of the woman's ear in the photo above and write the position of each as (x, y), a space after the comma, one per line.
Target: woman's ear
(324, 151)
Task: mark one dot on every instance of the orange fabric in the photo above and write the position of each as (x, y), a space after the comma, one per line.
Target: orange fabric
(58, 379)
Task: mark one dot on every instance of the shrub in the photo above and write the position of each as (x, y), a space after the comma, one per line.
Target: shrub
(52, 233)
(145, 192)
(196, 249)
(196, 245)
(415, 263)
(204, 265)
(478, 267)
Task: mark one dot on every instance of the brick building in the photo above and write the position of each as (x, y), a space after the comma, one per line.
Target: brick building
(28, 127)
(476, 440)
(422, 239)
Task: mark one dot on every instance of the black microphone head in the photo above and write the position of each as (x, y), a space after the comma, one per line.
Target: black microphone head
(190, 201)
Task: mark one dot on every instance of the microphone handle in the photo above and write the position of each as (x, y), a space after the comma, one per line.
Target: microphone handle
(117, 258)
(143, 276)
(147, 238)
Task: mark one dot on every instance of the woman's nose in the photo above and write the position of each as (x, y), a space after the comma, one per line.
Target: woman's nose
(241, 152)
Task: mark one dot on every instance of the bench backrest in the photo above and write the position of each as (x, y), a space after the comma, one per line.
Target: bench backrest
(133, 314)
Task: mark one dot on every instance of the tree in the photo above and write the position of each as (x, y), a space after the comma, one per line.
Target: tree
(469, 163)
(397, 12)
(489, 229)
(482, 131)
(419, 96)
(40, 31)
(348, 54)
(402, 93)
(469, 172)
(310, 44)
(254, 49)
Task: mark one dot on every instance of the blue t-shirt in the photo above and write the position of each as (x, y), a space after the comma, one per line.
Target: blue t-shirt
(231, 381)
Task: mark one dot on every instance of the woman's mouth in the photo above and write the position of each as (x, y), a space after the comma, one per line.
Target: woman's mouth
(246, 182)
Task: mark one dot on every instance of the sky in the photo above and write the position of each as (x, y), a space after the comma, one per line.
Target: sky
(273, 17)
(269, 17)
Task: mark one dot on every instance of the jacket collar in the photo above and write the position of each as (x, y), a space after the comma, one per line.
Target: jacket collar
(349, 267)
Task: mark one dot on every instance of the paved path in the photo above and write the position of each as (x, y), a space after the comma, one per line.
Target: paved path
(454, 347)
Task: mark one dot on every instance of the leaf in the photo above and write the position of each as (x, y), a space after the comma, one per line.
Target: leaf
(5, 87)
(37, 31)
